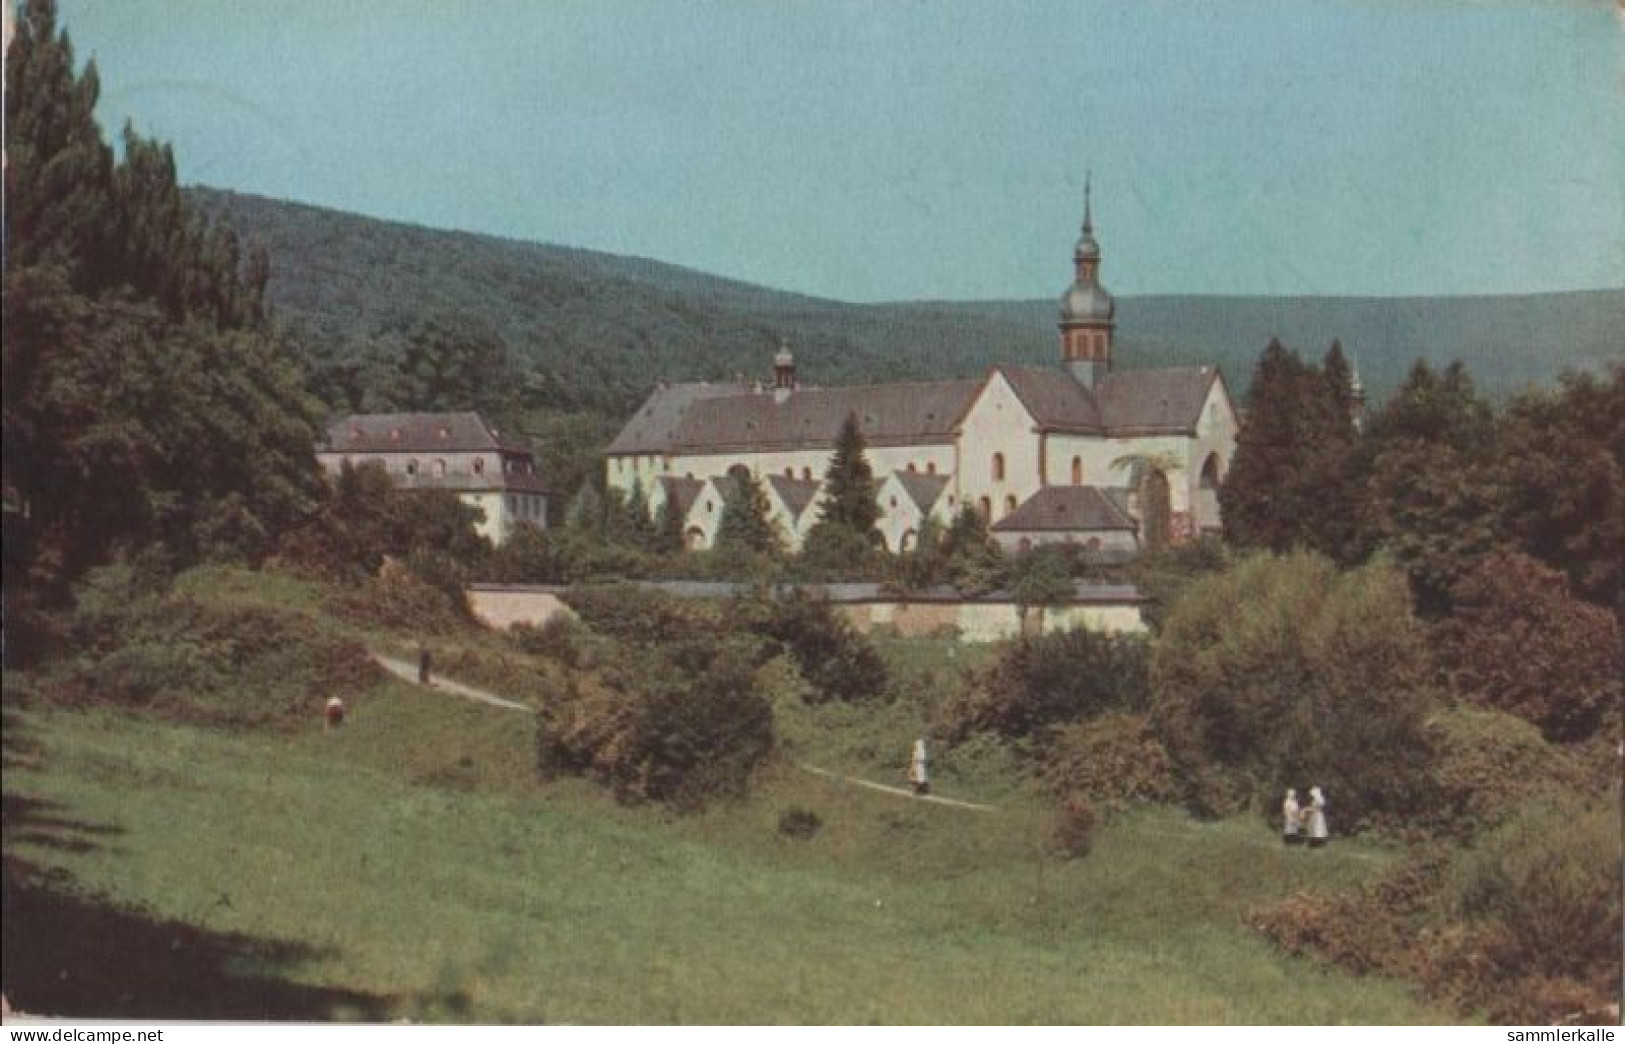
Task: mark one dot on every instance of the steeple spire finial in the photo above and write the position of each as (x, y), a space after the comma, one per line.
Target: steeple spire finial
(1088, 223)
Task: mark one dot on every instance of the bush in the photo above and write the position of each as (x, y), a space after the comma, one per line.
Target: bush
(1114, 760)
(1517, 640)
(682, 724)
(1548, 883)
(1485, 764)
(558, 638)
(800, 823)
(212, 665)
(1075, 827)
(1525, 927)
(1045, 680)
(398, 599)
(838, 662)
(1284, 670)
(636, 613)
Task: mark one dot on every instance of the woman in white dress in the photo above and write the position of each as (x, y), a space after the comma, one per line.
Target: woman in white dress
(916, 769)
(1291, 819)
(1317, 818)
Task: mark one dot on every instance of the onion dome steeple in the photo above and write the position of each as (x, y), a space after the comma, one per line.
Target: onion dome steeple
(1087, 310)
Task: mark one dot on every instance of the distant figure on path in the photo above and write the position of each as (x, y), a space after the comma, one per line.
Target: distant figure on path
(1317, 818)
(1290, 819)
(424, 662)
(916, 769)
(334, 712)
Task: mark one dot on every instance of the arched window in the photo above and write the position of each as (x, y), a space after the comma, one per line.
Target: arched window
(1210, 472)
(439, 468)
(985, 506)
(1077, 471)
(411, 467)
(695, 538)
(907, 543)
(479, 465)
(911, 468)
(789, 473)
(1009, 505)
(930, 467)
(998, 467)
(893, 503)
(806, 474)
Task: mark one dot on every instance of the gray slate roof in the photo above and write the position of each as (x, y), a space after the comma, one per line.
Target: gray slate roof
(414, 433)
(653, 429)
(922, 489)
(678, 418)
(705, 418)
(796, 494)
(681, 491)
(1066, 508)
(1154, 402)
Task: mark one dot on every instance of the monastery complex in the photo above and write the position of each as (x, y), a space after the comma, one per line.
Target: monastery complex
(1086, 453)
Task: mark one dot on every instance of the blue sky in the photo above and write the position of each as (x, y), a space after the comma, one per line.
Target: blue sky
(872, 151)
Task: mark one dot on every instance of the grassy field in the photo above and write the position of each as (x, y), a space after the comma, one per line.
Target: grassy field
(408, 866)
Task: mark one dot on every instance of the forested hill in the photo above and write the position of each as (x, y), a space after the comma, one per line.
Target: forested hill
(593, 331)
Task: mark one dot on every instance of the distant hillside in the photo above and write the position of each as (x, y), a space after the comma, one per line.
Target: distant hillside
(597, 330)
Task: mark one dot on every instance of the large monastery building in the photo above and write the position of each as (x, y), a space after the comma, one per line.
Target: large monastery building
(1086, 452)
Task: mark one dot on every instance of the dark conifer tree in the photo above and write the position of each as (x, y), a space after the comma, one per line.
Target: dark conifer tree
(850, 484)
(745, 524)
(1257, 501)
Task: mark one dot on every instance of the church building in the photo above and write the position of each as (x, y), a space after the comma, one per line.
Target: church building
(1088, 453)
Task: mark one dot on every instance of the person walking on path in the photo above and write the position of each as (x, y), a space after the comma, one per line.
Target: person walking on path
(1291, 833)
(1317, 818)
(424, 662)
(916, 769)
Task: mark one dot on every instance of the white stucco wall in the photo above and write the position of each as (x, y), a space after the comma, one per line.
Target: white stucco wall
(997, 422)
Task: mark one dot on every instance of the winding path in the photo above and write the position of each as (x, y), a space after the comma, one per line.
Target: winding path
(408, 672)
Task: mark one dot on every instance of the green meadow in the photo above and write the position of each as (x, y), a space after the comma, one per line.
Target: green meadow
(409, 866)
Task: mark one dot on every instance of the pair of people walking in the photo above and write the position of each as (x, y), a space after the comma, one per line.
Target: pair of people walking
(1304, 822)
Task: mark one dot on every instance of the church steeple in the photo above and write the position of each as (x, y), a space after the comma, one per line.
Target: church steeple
(1087, 310)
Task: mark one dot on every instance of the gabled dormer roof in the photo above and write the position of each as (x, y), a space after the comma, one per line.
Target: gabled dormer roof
(923, 490)
(1064, 508)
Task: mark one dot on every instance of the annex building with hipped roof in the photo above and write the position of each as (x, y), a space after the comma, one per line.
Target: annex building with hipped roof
(458, 452)
(1082, 453)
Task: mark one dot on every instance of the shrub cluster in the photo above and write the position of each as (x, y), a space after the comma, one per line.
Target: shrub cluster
(1115, 760)
(204, 663)
(1284, 670)
(1044, 680)
(400, 599)
(1525, 927)
(683, 723)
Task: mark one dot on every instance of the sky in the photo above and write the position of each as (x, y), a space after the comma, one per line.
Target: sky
(908, 150)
